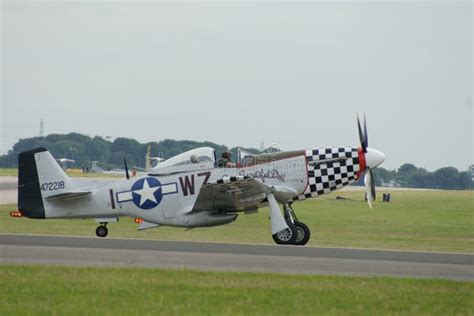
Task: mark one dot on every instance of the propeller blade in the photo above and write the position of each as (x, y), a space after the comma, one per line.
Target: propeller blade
(362, 138)
(372, 185)
(369, 175)
(369, 189)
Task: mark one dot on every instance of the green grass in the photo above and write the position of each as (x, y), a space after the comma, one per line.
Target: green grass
(47, 290)
(8, 172)
(415, 220)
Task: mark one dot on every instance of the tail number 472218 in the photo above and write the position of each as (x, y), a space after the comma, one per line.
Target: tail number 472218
(52, 186)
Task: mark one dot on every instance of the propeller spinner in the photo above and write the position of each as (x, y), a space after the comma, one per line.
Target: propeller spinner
(373, 158)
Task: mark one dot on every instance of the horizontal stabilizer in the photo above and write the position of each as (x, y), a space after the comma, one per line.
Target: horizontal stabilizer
(68, 195)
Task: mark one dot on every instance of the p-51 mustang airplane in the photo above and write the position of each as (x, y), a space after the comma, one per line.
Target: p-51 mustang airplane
(188, 190)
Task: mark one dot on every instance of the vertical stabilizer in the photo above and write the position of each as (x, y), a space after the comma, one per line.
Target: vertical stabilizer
(39, 176)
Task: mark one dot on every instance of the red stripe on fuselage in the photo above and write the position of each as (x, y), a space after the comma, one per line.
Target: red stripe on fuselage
(362, 162)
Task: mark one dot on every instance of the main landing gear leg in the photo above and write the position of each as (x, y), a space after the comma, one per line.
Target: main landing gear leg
(303, 232)
(102, 230)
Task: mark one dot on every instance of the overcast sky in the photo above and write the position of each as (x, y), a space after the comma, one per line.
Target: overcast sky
(236, 73)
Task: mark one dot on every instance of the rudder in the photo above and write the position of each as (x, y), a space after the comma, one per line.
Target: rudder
(30, 202)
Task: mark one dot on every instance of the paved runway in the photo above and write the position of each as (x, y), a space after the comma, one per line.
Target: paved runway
(8, 190)
(232, 257)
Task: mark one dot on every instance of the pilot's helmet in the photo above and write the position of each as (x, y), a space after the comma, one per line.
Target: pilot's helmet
(226, 155)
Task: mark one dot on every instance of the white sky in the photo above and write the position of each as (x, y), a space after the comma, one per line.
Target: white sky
(237, 73)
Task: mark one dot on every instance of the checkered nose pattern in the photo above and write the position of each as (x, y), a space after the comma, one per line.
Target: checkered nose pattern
(330, 169)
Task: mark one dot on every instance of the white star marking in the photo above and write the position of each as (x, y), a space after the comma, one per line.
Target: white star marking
(147, 193)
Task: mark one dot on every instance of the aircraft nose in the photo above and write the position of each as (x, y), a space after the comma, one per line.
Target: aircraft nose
(374, 157)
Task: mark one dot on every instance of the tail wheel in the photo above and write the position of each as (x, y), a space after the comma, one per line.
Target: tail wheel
(287, 236)
(303, 234)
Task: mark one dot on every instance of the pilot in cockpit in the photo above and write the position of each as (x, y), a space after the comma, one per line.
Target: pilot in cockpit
(226, 161)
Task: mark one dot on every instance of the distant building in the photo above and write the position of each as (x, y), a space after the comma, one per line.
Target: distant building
(95, 168)
(65, 163)
(390, 184)
(471, 171)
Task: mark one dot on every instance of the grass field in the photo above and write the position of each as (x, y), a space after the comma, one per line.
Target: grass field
(415, 220)
(50, 290)
(8, 172)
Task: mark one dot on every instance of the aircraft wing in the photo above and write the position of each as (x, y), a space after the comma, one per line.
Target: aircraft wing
(232, 194)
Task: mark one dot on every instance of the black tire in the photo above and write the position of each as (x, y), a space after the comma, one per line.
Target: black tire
(287, 236)
(101, 231)
(303, 234)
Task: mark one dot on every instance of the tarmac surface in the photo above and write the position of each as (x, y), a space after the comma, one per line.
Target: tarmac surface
(8, 190)
(61, 250)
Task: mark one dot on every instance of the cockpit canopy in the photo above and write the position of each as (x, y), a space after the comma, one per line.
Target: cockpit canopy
(202, 158)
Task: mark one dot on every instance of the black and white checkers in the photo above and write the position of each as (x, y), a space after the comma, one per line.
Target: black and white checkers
(330, 169)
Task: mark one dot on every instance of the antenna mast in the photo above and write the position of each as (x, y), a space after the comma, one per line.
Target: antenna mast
(41, 134)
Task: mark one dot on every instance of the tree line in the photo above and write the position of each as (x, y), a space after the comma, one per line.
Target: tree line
(410, 176)
(110, 154)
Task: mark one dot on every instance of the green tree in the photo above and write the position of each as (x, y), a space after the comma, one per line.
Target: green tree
(421, 178)
(405, 174)
(465, 181)
(446, 178)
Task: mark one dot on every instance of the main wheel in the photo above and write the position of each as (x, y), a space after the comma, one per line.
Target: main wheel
(303, 234)
(101, 231)
(287, 236)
